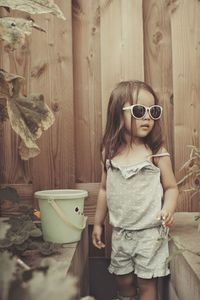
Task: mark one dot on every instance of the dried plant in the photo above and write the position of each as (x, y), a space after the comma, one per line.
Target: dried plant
(192, 177)
(34, 6)
(192, 168)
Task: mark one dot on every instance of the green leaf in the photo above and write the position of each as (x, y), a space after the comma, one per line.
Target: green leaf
(47, 248)
(19, 238)
(22, 247)
(36, 232)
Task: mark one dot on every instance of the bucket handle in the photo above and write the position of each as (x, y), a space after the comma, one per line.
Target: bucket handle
(63, 217)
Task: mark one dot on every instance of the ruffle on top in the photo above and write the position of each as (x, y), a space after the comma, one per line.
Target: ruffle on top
(129, 171)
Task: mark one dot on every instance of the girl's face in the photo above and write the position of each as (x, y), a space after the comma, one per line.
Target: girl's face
(142, 127)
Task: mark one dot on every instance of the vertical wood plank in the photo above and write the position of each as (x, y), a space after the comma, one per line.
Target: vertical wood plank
(51, 75)
(87, 89)
(121, 45)
(185, 20)
(158, 60)
(121, 54)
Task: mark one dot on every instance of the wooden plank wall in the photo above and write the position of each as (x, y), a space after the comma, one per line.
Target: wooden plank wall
(77, 63)
(185, 25)
(51, 73)
(46, 63)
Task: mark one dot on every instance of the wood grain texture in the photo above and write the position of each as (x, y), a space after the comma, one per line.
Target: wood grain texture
(87, 89)
(51, 74)
(77, 63)
(185, 20)
(158, 61)
(90, 201)
(89, 211)
(121, 45)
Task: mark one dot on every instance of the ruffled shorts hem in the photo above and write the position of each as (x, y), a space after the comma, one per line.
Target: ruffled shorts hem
(138, 273)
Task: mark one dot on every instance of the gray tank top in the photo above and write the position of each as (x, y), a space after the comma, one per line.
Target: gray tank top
(134, 194)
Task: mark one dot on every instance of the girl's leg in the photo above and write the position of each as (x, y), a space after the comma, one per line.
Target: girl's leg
(147, 288)
(126, 285)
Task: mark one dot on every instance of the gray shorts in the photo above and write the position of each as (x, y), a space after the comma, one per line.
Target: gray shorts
(142, 251)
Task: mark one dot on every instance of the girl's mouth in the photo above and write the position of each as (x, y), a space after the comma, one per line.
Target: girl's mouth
(145, 126)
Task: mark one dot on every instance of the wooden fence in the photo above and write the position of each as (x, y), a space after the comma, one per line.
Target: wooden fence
(76, 65)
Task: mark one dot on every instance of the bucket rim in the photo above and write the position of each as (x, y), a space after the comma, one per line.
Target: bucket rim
(61, 194)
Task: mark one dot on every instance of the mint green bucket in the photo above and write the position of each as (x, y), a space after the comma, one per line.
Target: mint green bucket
(62, 214)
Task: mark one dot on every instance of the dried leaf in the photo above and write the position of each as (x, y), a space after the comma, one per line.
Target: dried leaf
(29, 116)
(34, 6)
(14, 30)
(187, 163)
(29, 151)
(185, 177)
(5, 80)
(174, 254)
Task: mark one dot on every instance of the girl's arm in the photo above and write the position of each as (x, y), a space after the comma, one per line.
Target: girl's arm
(170, 189)
(101, 212)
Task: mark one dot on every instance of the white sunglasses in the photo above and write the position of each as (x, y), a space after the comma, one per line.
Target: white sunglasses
(138, 111)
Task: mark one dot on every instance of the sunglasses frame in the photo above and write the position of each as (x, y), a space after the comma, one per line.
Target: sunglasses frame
(147, 109)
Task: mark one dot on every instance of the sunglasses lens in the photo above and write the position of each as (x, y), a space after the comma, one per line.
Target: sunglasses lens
(138, 111)
(155, 112)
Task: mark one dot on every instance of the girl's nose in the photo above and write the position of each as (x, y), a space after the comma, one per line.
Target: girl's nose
(147, 116)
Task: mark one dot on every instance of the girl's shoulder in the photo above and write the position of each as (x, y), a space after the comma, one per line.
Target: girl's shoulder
(162, 152)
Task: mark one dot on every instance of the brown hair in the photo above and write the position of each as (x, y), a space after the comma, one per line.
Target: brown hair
(114, 136)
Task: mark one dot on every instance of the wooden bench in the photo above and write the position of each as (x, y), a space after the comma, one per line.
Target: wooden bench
(184, 281)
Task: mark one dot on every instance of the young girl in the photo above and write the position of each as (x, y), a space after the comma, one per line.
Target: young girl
(138, 189)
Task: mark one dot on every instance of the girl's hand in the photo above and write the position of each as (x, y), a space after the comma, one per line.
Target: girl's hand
(166, 217)
(96, 237)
